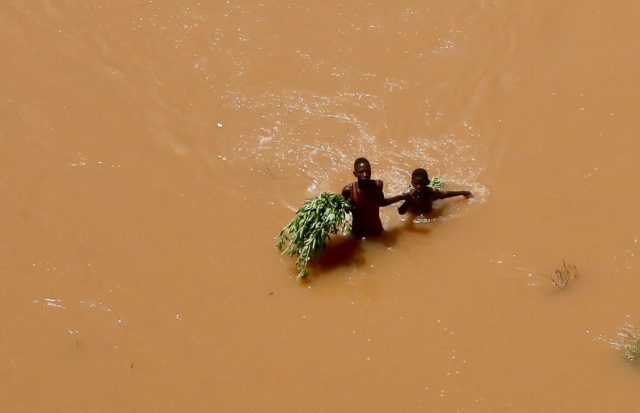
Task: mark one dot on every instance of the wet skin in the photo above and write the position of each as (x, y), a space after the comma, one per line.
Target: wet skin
(366, 197)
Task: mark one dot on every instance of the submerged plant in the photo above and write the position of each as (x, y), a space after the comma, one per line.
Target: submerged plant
(628, 342)
(436, 183)
(306, 235)
(564, 275)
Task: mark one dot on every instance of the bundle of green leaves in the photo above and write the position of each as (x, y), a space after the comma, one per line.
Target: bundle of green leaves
(306, 235)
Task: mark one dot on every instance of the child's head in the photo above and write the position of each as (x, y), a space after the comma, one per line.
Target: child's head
(362, 169)
(420, 179)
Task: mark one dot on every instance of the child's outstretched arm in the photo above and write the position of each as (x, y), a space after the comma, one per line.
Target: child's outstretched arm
(388, 201)
(394, 199)
(451, 194)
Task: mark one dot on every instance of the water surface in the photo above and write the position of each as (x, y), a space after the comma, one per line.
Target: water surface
(152, 150)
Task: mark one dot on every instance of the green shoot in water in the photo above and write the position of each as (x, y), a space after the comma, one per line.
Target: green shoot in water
(436, 183)
(307, 233)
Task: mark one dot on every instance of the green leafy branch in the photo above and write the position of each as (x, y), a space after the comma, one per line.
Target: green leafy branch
(436, 183)
(306, 235)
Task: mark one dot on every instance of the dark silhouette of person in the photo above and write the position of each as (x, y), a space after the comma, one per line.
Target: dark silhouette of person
(420, 199)
(366, 197)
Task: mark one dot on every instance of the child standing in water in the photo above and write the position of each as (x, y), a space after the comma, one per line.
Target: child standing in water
(420, 199)
(366, 198)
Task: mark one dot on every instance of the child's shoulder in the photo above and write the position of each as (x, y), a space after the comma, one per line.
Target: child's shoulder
(347, 190)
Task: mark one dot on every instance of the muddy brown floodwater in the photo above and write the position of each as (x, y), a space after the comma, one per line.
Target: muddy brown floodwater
(152, 150)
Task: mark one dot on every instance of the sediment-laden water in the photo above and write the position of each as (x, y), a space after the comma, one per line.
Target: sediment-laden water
(152, 150)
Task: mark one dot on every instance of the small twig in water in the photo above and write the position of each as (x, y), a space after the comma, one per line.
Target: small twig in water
(563, 275)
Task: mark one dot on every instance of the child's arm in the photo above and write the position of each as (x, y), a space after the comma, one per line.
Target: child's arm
(450, 194)
(404, 207)
(394, 199)
(346, 192)
(388, 201)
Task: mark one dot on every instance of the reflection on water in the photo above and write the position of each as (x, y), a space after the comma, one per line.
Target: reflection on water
(341, 251)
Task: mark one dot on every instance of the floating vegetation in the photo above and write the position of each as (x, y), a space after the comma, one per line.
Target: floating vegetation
(306, 235)
(564, 274)
(436, 183)
(628, 342)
